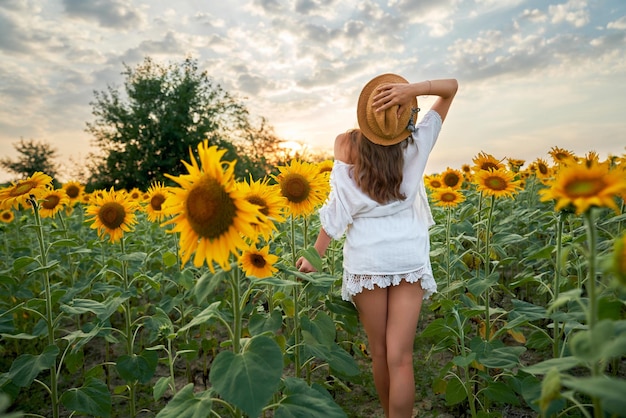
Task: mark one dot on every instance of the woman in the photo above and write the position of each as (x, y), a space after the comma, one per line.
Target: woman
(379, 201)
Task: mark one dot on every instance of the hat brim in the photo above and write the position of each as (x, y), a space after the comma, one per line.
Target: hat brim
(362, 114)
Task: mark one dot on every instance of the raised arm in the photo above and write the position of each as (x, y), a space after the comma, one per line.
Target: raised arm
(402, 94)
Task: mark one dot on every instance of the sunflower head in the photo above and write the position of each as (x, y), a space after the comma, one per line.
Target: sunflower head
(452, 178)
(498, 183)
(52, 202)
(270, 201)
(486, 162)
(74, 191)
(19, 192)
(7, 216)
(135, 194)
(562, 156)
(258, 263)
(211, 215)
(111, 213)
(304, 187)
(448, 197)
(582, 187)
(433, 181)
(154, 199)
(515, 164)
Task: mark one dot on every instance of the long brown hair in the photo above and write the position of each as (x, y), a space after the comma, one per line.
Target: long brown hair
(377, 168)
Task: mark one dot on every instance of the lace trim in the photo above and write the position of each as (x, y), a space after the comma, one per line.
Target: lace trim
(354, 284)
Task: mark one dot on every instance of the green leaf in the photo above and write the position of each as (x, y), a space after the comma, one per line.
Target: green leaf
(455, 392)
(137, 368)
(93, 399)
(169, 259)
(208, 313)
(186, 404)
(478, 285)
(501, 393)
(464, 361)
(609, 390)
(260, 323)
(313, 257)
(81, 306)
(206, 285)
(301, 400)
(248, 379)
(21, 262)
(160, 387)
(503, 357)
(27, 366)
(561, 364)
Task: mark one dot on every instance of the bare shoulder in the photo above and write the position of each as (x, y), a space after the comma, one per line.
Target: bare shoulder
(343, 148)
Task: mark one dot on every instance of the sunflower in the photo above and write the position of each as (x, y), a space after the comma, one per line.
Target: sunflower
(452, 178)
(74, 191)
(433, 181)
(52, 202)
(135, 194)
(498, 183)
(7, 216)
(515, 164)
(112, 213)
(304, 187)
(325, 167)
(258, 263)
(562, 156)
(582, 187)
(448, 197)
(212, 216)
(19, 192)
(272, 204)
(542, 170)
(154, 198)
(486, 162)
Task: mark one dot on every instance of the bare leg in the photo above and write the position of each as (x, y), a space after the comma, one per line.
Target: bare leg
(404, 304)
(372, 307)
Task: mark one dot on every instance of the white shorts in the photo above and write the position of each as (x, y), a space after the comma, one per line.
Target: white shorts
(354, 284)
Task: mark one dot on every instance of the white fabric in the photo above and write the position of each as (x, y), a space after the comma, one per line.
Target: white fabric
(384, 242)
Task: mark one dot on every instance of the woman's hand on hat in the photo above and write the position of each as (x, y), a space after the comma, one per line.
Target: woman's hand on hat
(389, 95)
(304, 265)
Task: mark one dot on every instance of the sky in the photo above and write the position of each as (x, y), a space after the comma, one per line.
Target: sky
(533, 74)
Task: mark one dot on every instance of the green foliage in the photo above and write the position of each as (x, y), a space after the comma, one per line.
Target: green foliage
(146, 130)
(33, 156)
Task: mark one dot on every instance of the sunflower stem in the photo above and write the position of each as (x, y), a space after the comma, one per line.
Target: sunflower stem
(448, 221)
(296, 307)
(49, 317)
(557, 282)
(592, 314)
(128, 328)
(234, 283)
(488, 269)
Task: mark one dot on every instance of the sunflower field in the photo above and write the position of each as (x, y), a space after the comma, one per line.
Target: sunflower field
(184, 300)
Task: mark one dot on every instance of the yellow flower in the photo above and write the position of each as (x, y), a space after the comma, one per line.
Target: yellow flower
(498, 183)
(542, 171)
(52, 202)
(135, 194)
(272, 204)
(15, 195)
(433, 181)
(515, 164)
(583, 187)
(7, 216)
(212, 216)
(155, 197)
(562, 156)
(325, 167)
(258, 263)
(303, 186)
(486, 162)
(448, 197)
(111, 213)
(75, 192)
(452, 178)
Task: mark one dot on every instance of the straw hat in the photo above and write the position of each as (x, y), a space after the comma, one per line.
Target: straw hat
(384, 128)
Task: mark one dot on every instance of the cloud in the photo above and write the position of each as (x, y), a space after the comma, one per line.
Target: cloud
(573, 12)
(619, 24)
(119, 14)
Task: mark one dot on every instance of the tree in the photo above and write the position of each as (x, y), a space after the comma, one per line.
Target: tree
(34, 156)
(167, 110)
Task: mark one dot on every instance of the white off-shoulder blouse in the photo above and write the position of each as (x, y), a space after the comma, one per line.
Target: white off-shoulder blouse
(385, 243)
